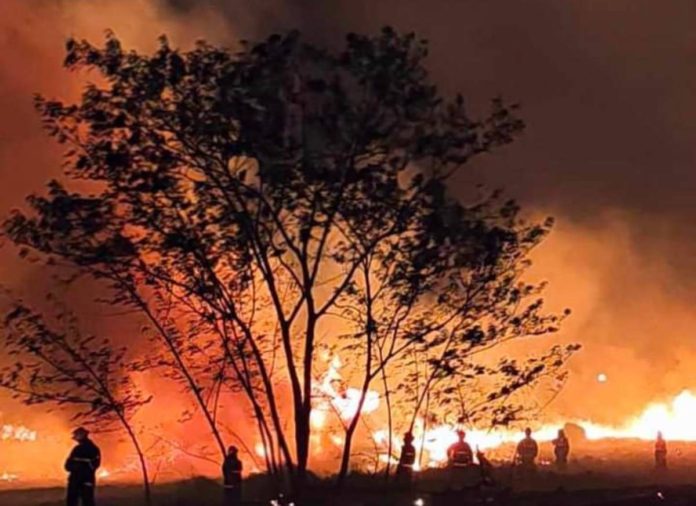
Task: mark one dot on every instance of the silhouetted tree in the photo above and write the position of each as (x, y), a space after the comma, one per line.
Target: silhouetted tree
(242, 200)
(424, 322)
(57, 364)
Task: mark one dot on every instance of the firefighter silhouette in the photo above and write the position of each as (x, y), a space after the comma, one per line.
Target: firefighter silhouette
(527, 452)
(404, 469)
(561, 449)
(232, 476)
(459, 454)
(660, 452)
(82, 465)
(460, 458)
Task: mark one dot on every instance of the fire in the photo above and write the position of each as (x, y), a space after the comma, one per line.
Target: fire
(17, 433)
(674, 419)
(337, 402)
(344, 402)
(8, 477)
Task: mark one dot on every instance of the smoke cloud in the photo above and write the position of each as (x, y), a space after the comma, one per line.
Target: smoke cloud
(606, 89)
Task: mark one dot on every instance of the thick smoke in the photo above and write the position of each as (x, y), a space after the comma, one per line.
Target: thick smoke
(607, 92)
(609, 151)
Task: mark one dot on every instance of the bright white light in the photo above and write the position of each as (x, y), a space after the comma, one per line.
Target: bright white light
(418, 502)
(601, 377)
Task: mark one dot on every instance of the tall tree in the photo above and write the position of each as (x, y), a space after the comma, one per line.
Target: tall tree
(250, 196)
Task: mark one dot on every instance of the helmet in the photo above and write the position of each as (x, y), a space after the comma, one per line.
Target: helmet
(80, 433)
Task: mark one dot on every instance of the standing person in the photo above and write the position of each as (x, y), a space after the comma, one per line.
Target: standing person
(660, 452)
(232, 476)
(404, 470)
(561, 449)
(460, 459)
(82, 465)
(527, 451)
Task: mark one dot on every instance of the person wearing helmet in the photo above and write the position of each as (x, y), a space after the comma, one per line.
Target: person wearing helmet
(561, 449)
(82, 465)
(660, 452)
(527, 451)
(404, 469)
(460, 458)
(459, 454)
(232, 476)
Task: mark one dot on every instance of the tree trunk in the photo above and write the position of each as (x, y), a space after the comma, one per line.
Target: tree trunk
(390, 428)
(425, 428)
(141, 459)
(302, 433)
(350, 431)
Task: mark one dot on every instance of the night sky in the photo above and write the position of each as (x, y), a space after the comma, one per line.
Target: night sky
(607, 92)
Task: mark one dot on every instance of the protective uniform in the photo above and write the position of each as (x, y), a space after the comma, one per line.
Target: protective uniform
(660, 452)
(82, 465)
(404, 470)
(527, 451)
(561, 449)
(460, 459)
(232, 476)
(460, 454)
